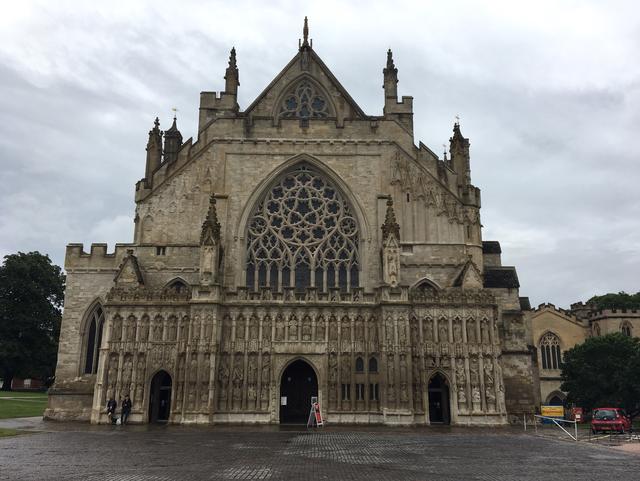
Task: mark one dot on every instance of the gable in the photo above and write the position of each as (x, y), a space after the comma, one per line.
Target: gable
(306, 66)
(129, 273)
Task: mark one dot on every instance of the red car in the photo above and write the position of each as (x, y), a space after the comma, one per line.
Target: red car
(610, 419)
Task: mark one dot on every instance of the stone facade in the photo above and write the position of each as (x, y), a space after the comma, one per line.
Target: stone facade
(556, 330)
(298, 229)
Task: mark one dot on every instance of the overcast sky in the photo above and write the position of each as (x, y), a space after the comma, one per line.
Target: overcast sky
(548, 93)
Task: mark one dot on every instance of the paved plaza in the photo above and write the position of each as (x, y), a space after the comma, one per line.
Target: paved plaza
(164, 453)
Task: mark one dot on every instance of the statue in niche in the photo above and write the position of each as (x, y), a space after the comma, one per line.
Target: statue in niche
(172, 329)
(116, 336)
(320, 329)
(373, 331)
(279, 328)
(402, 334)
(223, 372)
(359, 329)
(490, 396)
(415, 337)
(193, 367)
(460, 374)
(130, 331)
(204, 396)
(126, 374)
(475, 395)
(416, 370)
(345, 329)
(293, 328)
(443, 333)
(253, 328)
(462, 394)
(457, 331)
(238, 375)
(252, 370)
(391, 368)
(488, 372)
(431, 362)
(240, 328)
(112, 373)
(473, 370)
(333, 329)
(428, 330)
(471, 331)
(144, 331)
(390, 337)
(404, 395)
(403, 368)
(157, 329)
(251, 392)
(191, 405)
(266, 370)
(333, 369)
(266, 329)
(306, 328)
(195, 328)
(391, 393)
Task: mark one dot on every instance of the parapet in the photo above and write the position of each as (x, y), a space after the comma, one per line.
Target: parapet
(96, 258)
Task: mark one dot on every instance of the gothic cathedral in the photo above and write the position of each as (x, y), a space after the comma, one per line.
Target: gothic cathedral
(297, 248)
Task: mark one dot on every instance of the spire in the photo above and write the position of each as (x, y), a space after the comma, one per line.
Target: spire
(305, 44)
(231, 75)
(154, 152)
(390, 225)
(172, 141)
(211, 227)
(460, 159)
(390, 73)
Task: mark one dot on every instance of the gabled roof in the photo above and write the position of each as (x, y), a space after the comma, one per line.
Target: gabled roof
(129, 271)
(296, 60)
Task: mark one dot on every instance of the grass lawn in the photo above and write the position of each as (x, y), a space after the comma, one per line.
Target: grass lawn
(8, 432)
(15, 404)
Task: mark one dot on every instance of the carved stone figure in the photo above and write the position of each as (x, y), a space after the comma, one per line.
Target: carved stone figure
(443, 333)
(484, 329)
(457, 331)
(266, 370)
(428, 330)
(266, 329)
(306, 328)
(471, 331)
(293, 328)
(253, 328)
(279, 328)
(473, 370)
(320, 329)
(403, 368)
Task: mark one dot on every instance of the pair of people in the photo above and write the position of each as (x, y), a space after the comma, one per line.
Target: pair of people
(125, 410)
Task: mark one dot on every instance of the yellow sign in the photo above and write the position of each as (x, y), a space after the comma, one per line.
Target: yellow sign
(553, 411)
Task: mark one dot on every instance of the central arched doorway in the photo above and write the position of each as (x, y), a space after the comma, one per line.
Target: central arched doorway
(160, 398)
(439, 400)
(297, 386)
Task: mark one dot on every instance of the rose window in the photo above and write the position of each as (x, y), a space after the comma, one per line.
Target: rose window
(305, 101)
(302, 234)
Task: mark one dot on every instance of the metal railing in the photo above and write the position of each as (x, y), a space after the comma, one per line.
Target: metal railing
(556, 421)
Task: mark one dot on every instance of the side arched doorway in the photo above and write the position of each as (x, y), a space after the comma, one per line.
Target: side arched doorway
(297, 386)
(438, 389)
(160, 398)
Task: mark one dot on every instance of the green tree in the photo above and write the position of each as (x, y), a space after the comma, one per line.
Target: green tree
(621, 300)
(604, 371)
(31, 296)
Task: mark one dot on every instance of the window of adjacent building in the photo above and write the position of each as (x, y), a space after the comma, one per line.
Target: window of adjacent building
(177, 286)
(626, 329)
(373, 392)
(373, 364)
(93, 339)
(346, 392)
(359, 365)
(302, 234)
(161, 251)
(359, 392)
(550, 351)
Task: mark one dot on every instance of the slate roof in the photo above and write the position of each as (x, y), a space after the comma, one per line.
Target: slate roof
(501, 277)
(525, 305)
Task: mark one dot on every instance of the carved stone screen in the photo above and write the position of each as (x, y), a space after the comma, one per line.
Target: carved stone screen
(302, 234)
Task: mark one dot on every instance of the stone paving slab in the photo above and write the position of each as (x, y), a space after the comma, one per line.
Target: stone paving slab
(139, 453)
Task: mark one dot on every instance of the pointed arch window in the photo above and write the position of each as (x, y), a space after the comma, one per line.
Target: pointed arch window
(302, 234)
(626, 329)
(373, 364)
(359, 365)
(304, 101)
(550, 351)
(93, 339)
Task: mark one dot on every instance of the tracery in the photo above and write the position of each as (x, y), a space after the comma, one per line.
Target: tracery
(304, 101)
(302, 234)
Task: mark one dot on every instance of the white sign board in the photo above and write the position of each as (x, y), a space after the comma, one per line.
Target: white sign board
(283, 401)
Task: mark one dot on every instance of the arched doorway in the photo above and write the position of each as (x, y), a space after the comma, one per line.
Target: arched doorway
(556, 400)
(439, 400)
(160, 398)
(298, 384)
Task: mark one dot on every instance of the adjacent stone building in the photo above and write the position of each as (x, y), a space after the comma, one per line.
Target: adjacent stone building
(298, 248)
(555, 330)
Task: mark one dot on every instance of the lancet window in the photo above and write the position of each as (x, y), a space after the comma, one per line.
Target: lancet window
(93, 339)
(305, 101)
(550, 350)
(302, 234)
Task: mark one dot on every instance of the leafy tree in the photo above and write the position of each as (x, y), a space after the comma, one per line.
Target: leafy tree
(604, 371)
(31, 296)
(621, 300)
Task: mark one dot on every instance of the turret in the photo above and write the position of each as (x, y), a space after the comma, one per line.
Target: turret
(154, 152)
(459, 149)
(225, 104)
(172, 142)
(401, 111)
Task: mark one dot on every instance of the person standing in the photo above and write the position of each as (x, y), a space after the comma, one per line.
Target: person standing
(112, 404)
(126, 409)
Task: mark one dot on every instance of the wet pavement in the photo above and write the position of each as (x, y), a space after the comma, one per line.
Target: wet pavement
(54, 451)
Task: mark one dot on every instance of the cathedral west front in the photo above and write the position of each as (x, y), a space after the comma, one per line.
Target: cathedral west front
(298, 248)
